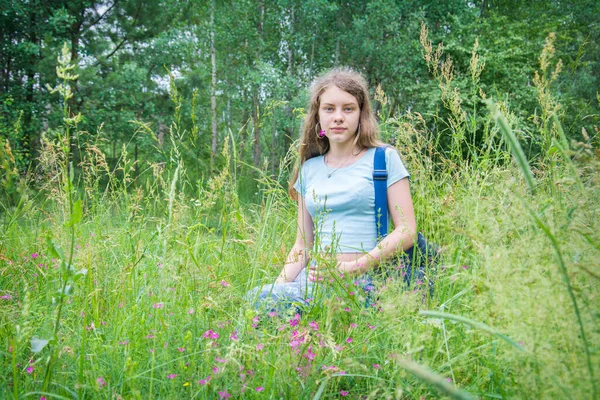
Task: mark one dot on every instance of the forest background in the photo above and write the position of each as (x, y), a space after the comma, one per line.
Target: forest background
(243, 68)
(145, 148)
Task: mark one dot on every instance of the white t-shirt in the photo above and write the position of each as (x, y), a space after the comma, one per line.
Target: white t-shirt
(343, 206)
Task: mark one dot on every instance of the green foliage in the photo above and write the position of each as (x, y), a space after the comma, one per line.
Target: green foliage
(125, 274)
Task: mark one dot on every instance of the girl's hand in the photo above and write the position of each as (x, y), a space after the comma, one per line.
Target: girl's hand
(315, 274)
(349, 267)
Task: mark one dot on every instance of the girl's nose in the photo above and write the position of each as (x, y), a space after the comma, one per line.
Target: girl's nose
(338, 116)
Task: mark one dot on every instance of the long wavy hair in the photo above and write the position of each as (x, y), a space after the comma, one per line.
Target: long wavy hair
(311, 146)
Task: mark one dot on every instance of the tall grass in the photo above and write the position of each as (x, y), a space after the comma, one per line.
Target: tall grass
(160, 311)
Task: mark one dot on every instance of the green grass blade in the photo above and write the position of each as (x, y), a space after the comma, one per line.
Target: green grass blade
(433, 379)
(515, 146)
(474, 324)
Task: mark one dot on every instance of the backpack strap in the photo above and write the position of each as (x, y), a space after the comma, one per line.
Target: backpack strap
(380, 176)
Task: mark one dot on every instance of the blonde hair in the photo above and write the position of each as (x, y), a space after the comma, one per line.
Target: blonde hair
(311, 146)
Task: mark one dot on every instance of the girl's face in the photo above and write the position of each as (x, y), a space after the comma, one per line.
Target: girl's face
(339, 115)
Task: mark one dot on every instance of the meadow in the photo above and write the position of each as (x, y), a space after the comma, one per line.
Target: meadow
(116, 289)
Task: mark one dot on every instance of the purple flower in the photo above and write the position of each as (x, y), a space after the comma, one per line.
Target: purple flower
(314, 325)
(181, 349)
(233, 336)
(29, 370)
(171, 376)
(224, 283)
(224, 395)
(376, 366)
(204, 381)
(6, 297)
(294, 321)
(260, 346)
(210, 334)
(34, 255)
(157, 305)
(260, 389)
(344, 393)
(101, 382)
(349, 340)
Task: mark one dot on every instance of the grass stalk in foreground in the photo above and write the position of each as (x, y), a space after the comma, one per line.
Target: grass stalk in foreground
(515, 146)
(433, 379)
(565, 274)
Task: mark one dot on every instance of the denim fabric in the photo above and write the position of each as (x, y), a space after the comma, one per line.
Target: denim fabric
(300, 292)
(414, 267)
(281, 296)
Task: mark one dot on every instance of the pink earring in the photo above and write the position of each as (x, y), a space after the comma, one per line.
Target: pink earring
(320, 132)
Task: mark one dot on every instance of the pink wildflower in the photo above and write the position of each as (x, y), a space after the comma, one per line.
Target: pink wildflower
(347, 309)
(224, 283)
(260, 346)
(204, 381)
(210, 334)
(314, 325)
(309, 354)
(376, 366)
(34, 255)
(29, 370)
(224, 395)
(344, 393)
(171, 376)
(233, 336)
(260, 389)
(157, 305)
(101, 382)
(272, 314)
(6, 297)
(349, 340)
(464, 267)
(181, 349)
(220, 360)
(294, 321)
(353, 325)
(124, 342)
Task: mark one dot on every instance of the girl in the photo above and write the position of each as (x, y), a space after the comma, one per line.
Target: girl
(335, 194)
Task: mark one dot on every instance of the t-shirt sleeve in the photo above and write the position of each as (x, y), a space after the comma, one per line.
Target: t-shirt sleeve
(299, 184)
(395, 166)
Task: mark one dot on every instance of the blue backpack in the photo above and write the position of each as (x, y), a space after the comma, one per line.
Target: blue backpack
(417, 264)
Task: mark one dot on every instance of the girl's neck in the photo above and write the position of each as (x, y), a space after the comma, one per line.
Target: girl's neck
(338, 151)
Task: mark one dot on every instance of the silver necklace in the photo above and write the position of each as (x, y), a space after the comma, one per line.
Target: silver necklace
(329, 173)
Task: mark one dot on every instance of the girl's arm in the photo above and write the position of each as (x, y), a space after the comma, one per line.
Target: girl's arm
(298, 256)
(400, 207)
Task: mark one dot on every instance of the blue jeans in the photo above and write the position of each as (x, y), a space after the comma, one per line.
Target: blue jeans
(299, 293)
(415, 267)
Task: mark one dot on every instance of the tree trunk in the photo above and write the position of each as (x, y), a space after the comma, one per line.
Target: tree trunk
(273, 142)
(30, 139)
(256, 126)
(213, 85)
